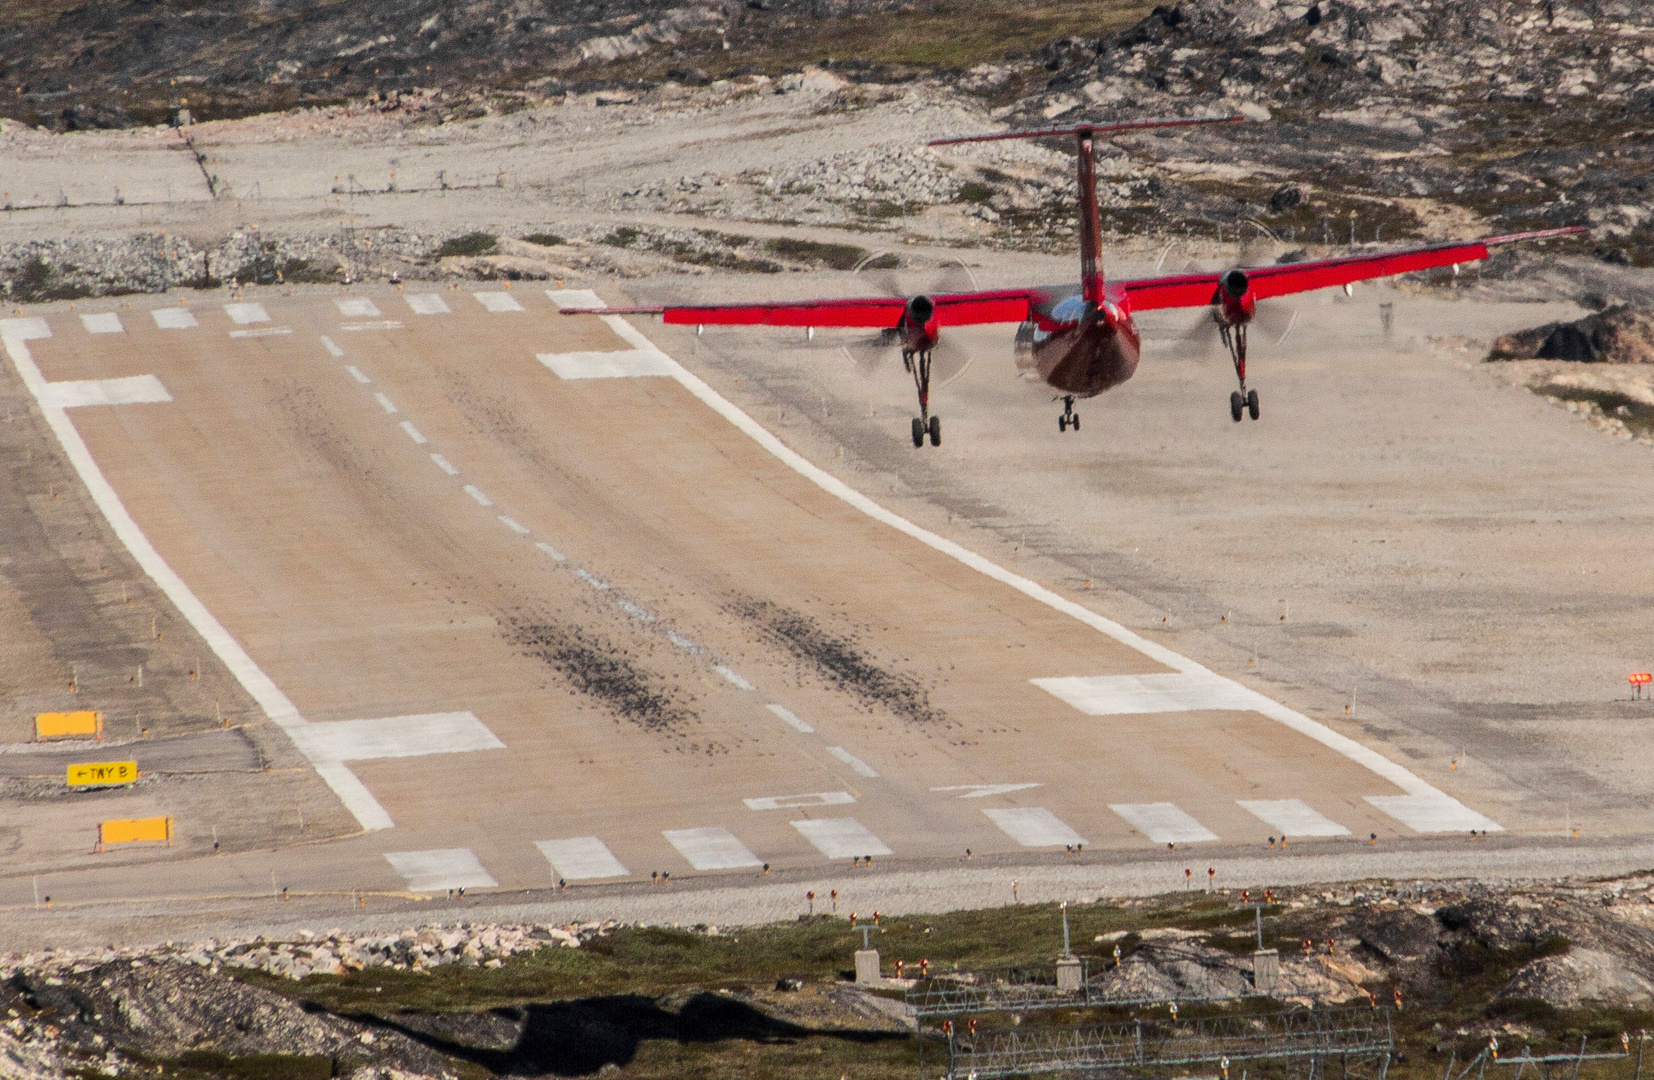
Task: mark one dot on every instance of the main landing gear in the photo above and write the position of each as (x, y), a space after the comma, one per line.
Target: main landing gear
(918, 365)
(1069, 418)
(1242, 400)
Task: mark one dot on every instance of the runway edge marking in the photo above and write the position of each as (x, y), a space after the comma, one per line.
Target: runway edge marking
(1415, 786)
(276, 705)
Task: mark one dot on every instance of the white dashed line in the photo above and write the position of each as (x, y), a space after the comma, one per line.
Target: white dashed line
(591, 579)
(633, 610)
(356, 373)
(514, 525)
(857, 765)
(442, 463)
(549, 550)
(333, 349)
(733, 678)
(263, 331)
(788, 717)
(482, 500)
(682, 642)
(413, 433)
(385, 402)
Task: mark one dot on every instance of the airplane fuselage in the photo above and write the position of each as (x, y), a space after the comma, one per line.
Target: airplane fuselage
(1079, 350)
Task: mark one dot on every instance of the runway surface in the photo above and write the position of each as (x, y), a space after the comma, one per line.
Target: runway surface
(537, 603)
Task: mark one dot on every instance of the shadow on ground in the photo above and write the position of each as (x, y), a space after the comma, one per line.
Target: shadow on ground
(577, 1038)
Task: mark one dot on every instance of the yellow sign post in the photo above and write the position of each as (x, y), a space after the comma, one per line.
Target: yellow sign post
(103, 773)
(133, 830)
(55, 725)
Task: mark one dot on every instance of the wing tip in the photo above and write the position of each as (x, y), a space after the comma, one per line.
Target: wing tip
(1536, 234)
(610, 310)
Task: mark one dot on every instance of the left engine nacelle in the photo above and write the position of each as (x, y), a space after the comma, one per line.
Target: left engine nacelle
(1234, 299)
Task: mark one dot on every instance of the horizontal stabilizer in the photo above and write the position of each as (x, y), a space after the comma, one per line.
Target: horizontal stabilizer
(1090, 129)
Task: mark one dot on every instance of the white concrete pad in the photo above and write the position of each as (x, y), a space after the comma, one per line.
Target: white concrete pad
(1034, 826)
(787, 717)
(711, 848)
(1293, 817)
(427, 304)
(498, 301)
(581, 858)
(1120, 695)
(397, 736)
(104, 322)
(629, 364)
(174, 318)
(789, 802)
(356, 307)
(1164, 822)
(246, 314)
(841, 838)
(440, 869)
(857, 765)
(1433, 813)
(132, 390)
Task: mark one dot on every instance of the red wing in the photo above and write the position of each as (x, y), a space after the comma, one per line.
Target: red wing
(1197, 290)
(884, 312)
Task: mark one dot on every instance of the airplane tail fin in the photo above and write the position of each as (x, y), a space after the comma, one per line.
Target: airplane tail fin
(1091, 255)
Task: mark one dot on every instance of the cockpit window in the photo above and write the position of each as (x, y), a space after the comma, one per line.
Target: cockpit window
(1071, 310)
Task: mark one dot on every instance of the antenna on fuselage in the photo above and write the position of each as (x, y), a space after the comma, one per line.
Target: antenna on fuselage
(1091, 257)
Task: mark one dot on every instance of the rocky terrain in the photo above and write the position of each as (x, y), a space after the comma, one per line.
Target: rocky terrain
(1528, 964)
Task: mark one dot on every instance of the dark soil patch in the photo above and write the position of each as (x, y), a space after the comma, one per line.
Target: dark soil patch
(838, 660)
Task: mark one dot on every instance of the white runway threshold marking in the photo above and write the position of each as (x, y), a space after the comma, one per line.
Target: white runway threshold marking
(712, 847)
(1422, 805)
(1034, 826)
(581, 858)
(1123, 695)
(174, 318)
(787, 717)
(790, 802)
(356, 307)
(397, 737)
(14, 337)
(246, 314)
(857, 765)
(440, 869)
(1164, 823)
(629, 364)
(132, 390)
(841, 838)
(427, 304)
(498, 301)
(1293, 817)
(104, 322)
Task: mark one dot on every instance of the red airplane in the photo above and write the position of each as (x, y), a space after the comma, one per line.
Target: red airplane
(1080, 338)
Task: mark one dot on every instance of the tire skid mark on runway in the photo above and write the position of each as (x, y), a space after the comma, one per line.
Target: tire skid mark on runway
(1423, 804)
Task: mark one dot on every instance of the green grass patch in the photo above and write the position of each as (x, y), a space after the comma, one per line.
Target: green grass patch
(544, 239)
(475, 243)
(835, 256)
(974, 191)
(623, 237)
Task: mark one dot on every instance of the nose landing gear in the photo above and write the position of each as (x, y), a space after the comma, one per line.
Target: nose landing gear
(1069, 418)
(1242, 400)
(918, 365)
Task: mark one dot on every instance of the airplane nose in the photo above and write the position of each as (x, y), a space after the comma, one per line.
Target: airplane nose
(1234, 283)
(919, 310)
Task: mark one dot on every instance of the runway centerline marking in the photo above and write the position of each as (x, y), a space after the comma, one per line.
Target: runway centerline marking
(857, 765)
(982, 791)
(581, 858)
(1293, 817)
(792, 802)
(1423, 803)
(549, 550)
(1164, 823)
(475, 493)
(440, 869)
(711, 847)
(174, 318)
(1034, 826)
(384, 403)
(413, 433)
(514, 525)
(788, 717)
(332, 349)
(356, 373)
(841, 838)
(442, 463)
(132, 390)
(103, 322)
(733, 677)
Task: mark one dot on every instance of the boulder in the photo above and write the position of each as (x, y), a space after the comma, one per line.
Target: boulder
(1619, 335)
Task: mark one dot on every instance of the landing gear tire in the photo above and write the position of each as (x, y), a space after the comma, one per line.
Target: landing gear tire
(1251, 404)
(1062, 423)
(918, 432)
(1237, 404)
(1076, 422)
(936, 431)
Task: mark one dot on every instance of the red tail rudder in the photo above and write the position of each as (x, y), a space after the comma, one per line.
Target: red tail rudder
(1091, 254)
